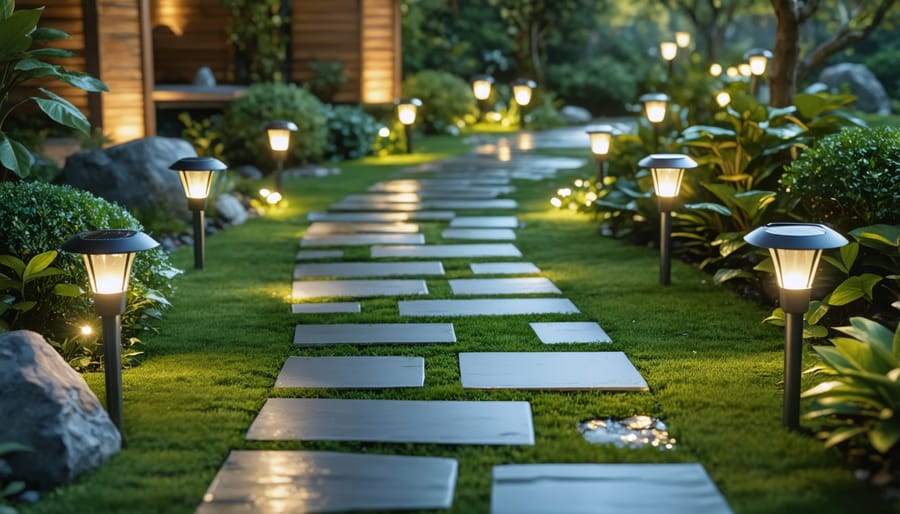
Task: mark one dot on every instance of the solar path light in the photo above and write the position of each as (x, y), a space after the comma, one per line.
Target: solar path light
(406, 113)
(522, 90)
(601, 140)
(196, 178)
(655, 105)
(278, 135)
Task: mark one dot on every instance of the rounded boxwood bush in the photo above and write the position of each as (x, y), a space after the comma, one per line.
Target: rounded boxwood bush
(446, 100)
(242, 127)
(36, 217)
(351, 132)
(849, 179)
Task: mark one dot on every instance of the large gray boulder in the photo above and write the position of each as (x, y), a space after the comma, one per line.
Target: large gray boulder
(231, 210)
(48, 406)
(134, 174)
(574, 115)
(863, 84)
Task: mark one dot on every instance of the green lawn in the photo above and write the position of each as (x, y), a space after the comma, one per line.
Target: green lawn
(713, 368)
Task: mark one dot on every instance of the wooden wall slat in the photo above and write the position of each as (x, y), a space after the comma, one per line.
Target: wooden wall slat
(188, 34)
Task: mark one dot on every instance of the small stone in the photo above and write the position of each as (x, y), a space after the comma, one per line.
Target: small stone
(248, 171)
(204, 77)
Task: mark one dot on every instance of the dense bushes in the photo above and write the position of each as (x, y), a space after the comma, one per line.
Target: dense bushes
(446, 98)
(351, 132)
(242, 132)
(603, 85)
(35, 218)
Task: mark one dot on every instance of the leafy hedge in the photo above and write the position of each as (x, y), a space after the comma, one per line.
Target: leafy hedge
(351, 132)
(446, 100)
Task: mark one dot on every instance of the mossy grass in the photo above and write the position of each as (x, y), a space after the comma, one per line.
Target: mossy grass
(714, 370)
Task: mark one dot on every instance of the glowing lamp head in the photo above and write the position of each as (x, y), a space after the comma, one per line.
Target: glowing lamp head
(758, 59)
(683, 39)
(715, 69)
(481, 86)
(196, 175)
(732, 72)
(667, 171)
(668, 50)
(744, 69)
(795, 249)
(655, 106)
(384, 132)
(522, 89)
(601, 139)
(108, 255)
(723, 98)
(278, 134)
(407, 110)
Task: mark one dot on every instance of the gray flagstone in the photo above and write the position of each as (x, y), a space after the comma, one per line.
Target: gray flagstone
(275, 482)
(503, 268)
(376, 206)
(361, 239)
(448, 251)
(605, 489)
(397, 421)
(485, 234)
(493, 286)
(325, 308)
(610, 371)
(484, 222)
(354, 372)
(432, 215)
(496, 203)
(570, 332)
(374, 333)
(358, 288)
(358, 217)
(309, 255)
(486, 307)
(368, 269)
(332, 227)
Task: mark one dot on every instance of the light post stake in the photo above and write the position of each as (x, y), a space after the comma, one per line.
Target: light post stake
(795, 249)
(522, 90)
(601, 140)
(196, 175)
(406, 113)
(667, 171)
(655, 109)
(108, 256)
(278, 135)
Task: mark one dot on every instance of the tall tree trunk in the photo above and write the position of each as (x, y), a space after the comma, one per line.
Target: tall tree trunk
(783, 71)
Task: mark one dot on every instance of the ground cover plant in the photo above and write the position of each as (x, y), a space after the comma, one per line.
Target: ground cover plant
(713, 369)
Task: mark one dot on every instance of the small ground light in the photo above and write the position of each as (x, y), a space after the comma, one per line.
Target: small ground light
(384, 132)
(274, 198)
(744, 69)
(723, 98)
(556, 202)
(481, 89)
(406, 113)
(601, 141)
(669, 50)
(522, 91)
(795, 249)
(196, 178)
(86, 330)
(683, 39)
(715, 69)
(732, 72)
(108, 255)
(278, 135)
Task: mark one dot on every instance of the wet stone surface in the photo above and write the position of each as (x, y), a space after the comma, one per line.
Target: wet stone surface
(632, 432)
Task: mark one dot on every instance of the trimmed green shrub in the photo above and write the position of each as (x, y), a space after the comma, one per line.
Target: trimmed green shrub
(242, 128)
(36, 217)
(446, 100)
(603, 85)
(849, 179)
(351, 132)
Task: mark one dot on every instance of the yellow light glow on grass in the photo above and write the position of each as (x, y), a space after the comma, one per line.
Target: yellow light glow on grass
(556, 202)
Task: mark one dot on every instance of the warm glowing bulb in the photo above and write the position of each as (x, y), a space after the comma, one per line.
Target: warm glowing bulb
(715, 69)
(732, 72)
(578, 182)
(757, 64)
(482, 89)
(795, 269)
(384, 132)
(668, 50)
(196, 184)
(556, 202)
(264, 193)
(683, 39)
(656, 110)
(86, 330)
(600, 142)
(274, 198)
(667, 181)
(406, 113)
(279, 139)
(591, 196)
(564, 192)
(744, 69)
(522, 93)
(723, 98)
(109, 272)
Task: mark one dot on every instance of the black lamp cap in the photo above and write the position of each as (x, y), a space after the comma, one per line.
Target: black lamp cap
(414, 101)
(282, 125)
(667, 160)
(488, 78)
(654, 97)
(795, 236)
(601, 129)
(753, 52)
(198, 164)
(525, 82)
(109, 241)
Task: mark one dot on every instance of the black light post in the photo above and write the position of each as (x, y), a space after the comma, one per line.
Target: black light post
(278, 135)
(481, 88)
(655, 109)
(406, 113)
(758, 59)
(196, 178)
(522, 90)
(795, 249)
(108, 255)
(667, 171)
(601, 140)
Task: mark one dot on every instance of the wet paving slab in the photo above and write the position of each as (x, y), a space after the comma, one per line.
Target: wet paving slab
(352, 372)
(373, 333)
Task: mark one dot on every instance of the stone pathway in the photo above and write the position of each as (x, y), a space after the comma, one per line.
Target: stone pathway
(451, 196)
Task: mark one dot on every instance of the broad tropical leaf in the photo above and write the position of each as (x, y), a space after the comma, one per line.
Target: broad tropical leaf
(62, 111)
(15, 30)
(15, 157)
(37, 264)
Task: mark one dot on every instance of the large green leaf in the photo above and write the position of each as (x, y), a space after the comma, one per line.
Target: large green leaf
(50, 52)
(878, 236)
(709, 206)
(15, 157)
(841, 434)
(871, 332)
(38, 263)
(854, 288)
(47, 34)
(15, 30)
(849, 252)
(725, 274)
(61, 111)
(82, 81)
(14, 263)
(885, 435)
(809, 105)
(864, 356)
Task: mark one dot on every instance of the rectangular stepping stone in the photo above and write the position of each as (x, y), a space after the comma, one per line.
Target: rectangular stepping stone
(361, 239)
(503, 268)
(358, 288)
(308, 255)
(383, 198)
(448, 251)
(374, 333)
(610, 371)
(570, 332)
(376, 206)
(368, 269)
(497, 203)
(484, 222)
(492, 234)
(333, 227)
(358, 217)
(487, 307)
(265, 482)
(491, 286)
(325, 308)
(352, 372)
(394, 421)
(605, 489)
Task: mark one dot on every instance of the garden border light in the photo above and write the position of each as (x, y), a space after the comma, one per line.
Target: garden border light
(667, 171)
(795, 249)
(715, 69)
(108, 256)
(601, 142)
(669, 50)
(522, 91)
(278, 135)
(655, 107)
(723, 98)
(196, 175)
(758, 59)
(407, 110)
(683, 39)
(482, 85)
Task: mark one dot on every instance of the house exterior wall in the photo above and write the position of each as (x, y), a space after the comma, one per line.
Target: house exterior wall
(188, 34)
